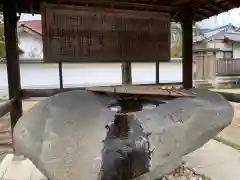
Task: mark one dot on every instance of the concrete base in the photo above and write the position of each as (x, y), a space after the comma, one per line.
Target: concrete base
(202, 83)
(215, 160)
(226, 82)
(18, 168)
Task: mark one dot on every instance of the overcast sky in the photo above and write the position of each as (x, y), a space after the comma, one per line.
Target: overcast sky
(232, 16)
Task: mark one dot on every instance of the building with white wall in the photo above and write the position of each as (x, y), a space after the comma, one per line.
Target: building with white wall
(225, 38)
(30, 40)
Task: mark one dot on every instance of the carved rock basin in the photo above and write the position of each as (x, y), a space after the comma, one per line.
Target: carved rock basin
(74, 135)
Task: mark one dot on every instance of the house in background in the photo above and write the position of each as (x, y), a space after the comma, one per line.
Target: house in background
(226, 39)
(217, 53)
(30, 40)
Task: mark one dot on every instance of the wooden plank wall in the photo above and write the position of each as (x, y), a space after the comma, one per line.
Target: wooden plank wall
(205, 66)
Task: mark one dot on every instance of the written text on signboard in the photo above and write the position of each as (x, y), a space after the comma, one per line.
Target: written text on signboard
(83, 34)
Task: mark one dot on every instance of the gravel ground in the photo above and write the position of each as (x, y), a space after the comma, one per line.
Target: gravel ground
(184, 173)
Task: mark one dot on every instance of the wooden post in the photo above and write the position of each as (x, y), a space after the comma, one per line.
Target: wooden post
(214, 62)
(187, 52)
(11, 46)
(60, 75)
(157, 72)
(126, 73)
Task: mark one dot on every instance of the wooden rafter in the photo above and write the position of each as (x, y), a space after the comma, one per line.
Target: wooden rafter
(203, 12)
(179, 2)
(118, 4)
(202, 8)
(172, 3)
(236, 3)
(221, 5)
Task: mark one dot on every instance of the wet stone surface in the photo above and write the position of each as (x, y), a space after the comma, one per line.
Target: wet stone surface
(75, 134)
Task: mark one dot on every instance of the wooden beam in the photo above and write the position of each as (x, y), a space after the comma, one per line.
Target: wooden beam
(204, 12)
(5, 107)
(122, 4)
(235, 3)
(10, 31)
(121, 92)
(172, 2)
(216, 9)
(198, 17)
(141, 90)
(204, 5)
(157, 72)
(187, 51)
(29, 93)
(179, 2)
(154, 1)
(114, 4)
(60, 75)
(126, 73)
(201, 9)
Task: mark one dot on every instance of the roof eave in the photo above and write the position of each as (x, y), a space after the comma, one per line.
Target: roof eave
(32, 30)
(201, 9)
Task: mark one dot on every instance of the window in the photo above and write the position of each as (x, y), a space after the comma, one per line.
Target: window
(228, 55)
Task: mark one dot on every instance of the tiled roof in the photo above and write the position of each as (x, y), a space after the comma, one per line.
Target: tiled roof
(217, 33)
(238, 29)
(232, 36)
(226, 28)
(198, 38)
(34, 25)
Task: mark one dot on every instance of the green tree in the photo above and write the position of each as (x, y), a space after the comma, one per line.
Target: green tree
(176, 38)
(2, 44)
(2, 41)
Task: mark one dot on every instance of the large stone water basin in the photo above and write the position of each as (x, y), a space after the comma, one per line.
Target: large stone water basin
(75, 135)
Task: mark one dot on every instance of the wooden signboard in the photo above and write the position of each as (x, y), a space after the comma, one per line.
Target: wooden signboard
(85, 34)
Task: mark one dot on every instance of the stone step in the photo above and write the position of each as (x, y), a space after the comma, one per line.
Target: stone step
(6, 130)
(4, 123)
(6, 141)
(5, 134)
(5, 138)
(7, 148)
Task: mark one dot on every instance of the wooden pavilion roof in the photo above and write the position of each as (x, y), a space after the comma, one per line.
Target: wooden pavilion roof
(201, 9)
